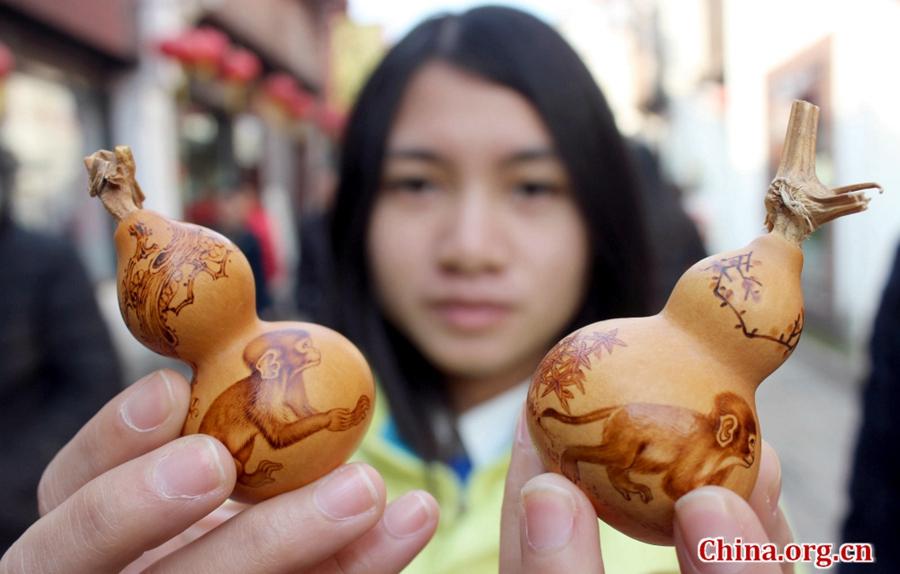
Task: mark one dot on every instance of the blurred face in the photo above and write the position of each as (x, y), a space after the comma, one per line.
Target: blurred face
(477, 250)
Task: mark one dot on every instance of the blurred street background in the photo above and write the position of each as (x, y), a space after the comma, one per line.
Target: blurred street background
(234, 112)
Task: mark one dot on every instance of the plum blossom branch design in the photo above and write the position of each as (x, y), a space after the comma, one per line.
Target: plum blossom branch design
(734, 273)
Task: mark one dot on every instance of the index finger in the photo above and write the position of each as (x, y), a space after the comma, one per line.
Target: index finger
(524, 465)
(143, 417)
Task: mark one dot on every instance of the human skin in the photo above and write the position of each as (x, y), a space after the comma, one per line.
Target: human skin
(548, 525)
(477, 249)
(127, 494)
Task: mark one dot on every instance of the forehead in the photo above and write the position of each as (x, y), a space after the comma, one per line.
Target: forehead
(452, 110)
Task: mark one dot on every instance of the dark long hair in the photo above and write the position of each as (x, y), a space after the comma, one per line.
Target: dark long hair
(518, 51)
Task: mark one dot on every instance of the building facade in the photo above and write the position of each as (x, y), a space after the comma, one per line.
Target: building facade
(242, 100)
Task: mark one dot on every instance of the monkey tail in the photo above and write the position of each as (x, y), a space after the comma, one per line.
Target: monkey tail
(590, 417)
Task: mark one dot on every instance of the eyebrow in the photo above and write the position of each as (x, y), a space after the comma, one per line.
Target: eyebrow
(419, 154)
(531, 154)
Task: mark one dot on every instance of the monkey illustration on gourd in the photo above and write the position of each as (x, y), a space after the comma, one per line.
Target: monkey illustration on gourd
(688, 448)
(290, 400)
(273, 403)
(691, 448)
(640, 410)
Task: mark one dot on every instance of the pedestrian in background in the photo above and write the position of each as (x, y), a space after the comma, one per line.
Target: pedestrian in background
(57, 361)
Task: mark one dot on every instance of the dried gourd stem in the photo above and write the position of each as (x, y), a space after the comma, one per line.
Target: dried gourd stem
(111, 177)
(797, 203)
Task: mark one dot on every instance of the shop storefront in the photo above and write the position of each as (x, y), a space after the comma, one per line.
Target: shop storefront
(214, 100)
(55, 111)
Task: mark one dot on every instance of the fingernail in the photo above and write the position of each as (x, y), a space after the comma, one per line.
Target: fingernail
(700, 514)
(407, 515)
(346, 493)
(150, 405)
(549, 515)
(191, 469)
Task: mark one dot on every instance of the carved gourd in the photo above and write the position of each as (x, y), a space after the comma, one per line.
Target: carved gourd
(639, 411)
(290, 401)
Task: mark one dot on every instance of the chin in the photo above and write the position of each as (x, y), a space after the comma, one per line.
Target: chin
(472, 362)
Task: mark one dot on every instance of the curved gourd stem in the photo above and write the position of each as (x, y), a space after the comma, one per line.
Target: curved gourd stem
(111, 176)
(797, 203)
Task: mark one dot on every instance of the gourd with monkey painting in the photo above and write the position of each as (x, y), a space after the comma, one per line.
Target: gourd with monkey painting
(290, 401)
(639, 411)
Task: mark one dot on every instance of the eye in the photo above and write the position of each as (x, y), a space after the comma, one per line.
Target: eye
(414, 185)
(536, 188)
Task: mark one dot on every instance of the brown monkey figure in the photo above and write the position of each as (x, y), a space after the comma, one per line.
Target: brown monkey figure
(692, 449)
(272, 402)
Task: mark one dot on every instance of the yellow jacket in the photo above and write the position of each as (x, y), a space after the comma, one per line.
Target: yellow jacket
(468, 535)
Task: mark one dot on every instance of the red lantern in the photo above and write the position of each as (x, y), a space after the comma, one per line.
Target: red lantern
(291, 101)
(280, 88)
(240, 66)
(330, 120)
(301, 104)
(198, 50)
(207, 47)
(176, 48)
(7, 61)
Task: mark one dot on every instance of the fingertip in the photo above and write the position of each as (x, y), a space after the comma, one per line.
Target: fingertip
(709, 499)
(556, 498)
(375, 481)
(193, 467)
(178, 385)
(142, 417)
(550, 480)
(549, 511)
(224, 459)
(559, 482)
(711, 512)
(767, 490)
(174, 378)
(411, 515)
(770, 471)
(148, 404)
(525, 461)
(350, 491)
(766, 497)
(406, 526)
(431, 504)
(558, 528)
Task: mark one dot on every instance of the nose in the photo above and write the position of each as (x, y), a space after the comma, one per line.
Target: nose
(471, 238)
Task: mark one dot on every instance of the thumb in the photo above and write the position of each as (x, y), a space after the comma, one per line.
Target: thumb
(558, 528)
(712, 516)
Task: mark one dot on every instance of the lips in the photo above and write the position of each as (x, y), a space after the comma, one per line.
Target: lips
(471, 315)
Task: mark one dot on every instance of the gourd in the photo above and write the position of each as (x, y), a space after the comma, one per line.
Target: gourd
(639, 411)
(291, 401)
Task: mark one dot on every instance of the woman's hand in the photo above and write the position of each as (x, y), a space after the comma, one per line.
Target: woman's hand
(125, 492)
(548, 525)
